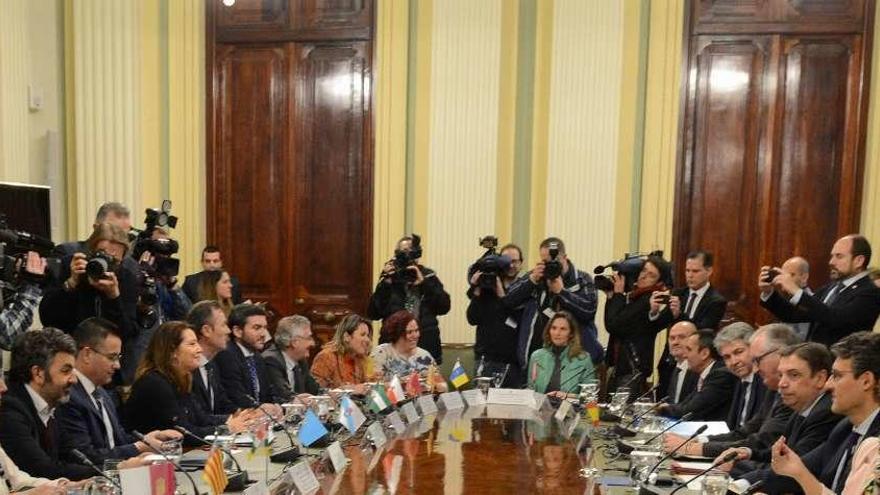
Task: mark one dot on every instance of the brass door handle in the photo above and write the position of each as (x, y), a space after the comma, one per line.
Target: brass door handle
(299, 300)
(328, 316)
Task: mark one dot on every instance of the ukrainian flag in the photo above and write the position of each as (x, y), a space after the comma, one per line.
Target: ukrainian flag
(458, 377)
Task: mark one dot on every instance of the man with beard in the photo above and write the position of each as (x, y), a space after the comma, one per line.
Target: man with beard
(241, 367)
(41, 375)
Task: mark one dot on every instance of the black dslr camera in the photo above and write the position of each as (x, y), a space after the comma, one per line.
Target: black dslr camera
(490, 264)
(14, 246)
(628, 267)
(98, 264)
(404, 259)
(553, 267)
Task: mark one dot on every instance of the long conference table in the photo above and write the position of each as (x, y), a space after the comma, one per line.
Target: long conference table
(485, 449)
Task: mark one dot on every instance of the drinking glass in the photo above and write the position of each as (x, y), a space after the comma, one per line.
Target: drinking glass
(618, 401)
(641, 462)
(716, 483)
(498, 376)
(172, 449)
(483, 384)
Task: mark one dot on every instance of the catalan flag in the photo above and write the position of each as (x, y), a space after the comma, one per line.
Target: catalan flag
(458, 377)
(214, 474)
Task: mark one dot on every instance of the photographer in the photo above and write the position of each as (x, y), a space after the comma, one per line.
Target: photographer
(554, 284)
(407, 285)
(18, 314)
(169, 300)
(495, 349)
(632, 333)
(97, 285)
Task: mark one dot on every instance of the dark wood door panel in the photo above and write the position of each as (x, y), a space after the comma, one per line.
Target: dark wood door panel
(330, 14)
(779, 16)
(720, 205)
(252, 167)
(253, 14)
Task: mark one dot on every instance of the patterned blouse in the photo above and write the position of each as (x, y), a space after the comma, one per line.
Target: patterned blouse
(390, 362)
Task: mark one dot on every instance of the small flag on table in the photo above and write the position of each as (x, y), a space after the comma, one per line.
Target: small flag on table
(311, 429)
(378, 399)
(458, 377)
(395, 390)
(214, 474)
(413, 385)
(350, 415)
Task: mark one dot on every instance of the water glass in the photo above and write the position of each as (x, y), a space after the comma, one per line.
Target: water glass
(498, 376)
(483, 384)
(641, 462)
(716, 483)
(172, 449)
(618, 401)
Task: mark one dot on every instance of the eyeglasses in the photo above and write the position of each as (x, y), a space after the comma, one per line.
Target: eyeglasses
(836, 375)
(112, 356)
(757, 361)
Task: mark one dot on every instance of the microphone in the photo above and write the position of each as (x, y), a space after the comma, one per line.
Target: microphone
(237, 481)
(694, 435)
(649, 392)
(673, 425)
(88, 462)
(753, 488)
(729, 457)
(284, 456)
(140, 436)
(653, 408)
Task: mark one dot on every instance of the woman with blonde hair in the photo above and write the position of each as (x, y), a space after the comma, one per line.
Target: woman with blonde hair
(344, 362)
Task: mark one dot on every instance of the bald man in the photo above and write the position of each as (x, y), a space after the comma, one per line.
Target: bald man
(798, 269)
(681, 381)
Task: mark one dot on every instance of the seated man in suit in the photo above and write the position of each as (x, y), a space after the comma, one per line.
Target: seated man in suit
(710, 401)
(40, 375)
(209, 322)
(211, 261)
(681, 381)
(89, 421)
(803, 369)
(853, 385)
(697, 302)
(850, 303)
(241, 367)
(287, 362)
(771, 418)
(732, 343)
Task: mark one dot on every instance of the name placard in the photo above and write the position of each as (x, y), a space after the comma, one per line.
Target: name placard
(396, 422)
(474, 397)
(427, 405)
(303, 477)
(409, 410)
(452, 400)
(337, 456)
(258, 488)
(562, 412)
(377, 434)
(513, 397)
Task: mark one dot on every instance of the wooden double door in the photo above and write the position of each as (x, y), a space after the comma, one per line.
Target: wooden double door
(773, 136)
(290, 152)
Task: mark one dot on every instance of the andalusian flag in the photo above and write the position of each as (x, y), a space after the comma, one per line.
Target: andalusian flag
(395, 390)
(214, 474)
(378, 398)
(458, 377)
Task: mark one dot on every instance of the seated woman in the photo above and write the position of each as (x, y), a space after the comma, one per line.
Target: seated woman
(861, 477)
(216, 286)
(160, 396)
(401, 354)
(344, 362)
(558, 368)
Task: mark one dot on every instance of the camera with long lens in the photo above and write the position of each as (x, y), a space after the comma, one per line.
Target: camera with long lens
(627, 267)
(14, 246)
(98, 264)
(163, 250)
(403, 259)
(553, 266)
(491, 265)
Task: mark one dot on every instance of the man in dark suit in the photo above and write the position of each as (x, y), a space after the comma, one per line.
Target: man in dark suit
(241, 367)
(850, 303)
(41, 375)
(804, 370)
(854, 390)
(287, 361)
(732, 343)
(710, 401)
(89, 422)
(697, 302)
(211, 261)
(212, 329)
(681, 381)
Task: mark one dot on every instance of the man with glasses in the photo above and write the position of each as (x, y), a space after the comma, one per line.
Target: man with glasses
(287, 362)
(89, 421)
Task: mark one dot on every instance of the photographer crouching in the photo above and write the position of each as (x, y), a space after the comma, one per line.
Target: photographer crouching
(490, 277)
(632, 333)
(407, 285)
(554, 284)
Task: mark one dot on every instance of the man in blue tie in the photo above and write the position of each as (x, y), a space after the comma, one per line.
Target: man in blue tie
(241, 367)
(89, 421)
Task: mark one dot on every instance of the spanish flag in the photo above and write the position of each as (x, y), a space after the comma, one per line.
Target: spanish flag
(214, 474)
(458, 377)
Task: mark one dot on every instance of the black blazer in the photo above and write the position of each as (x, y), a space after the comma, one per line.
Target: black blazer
(634, 334)
(687, 386)
(222, 405)
(709, 310)
(756, 397)
(191, 288)
(156, 404)
(854, 309)
(760, 431)
(82, 428)
(235, 379)
(821, 461)
(280, 387)
(713, 401)
(29, 444)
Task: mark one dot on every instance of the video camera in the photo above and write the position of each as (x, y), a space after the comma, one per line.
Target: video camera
(404, 259)
(14, 246)
(161, 249)
(490, 264)
(629, 267)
